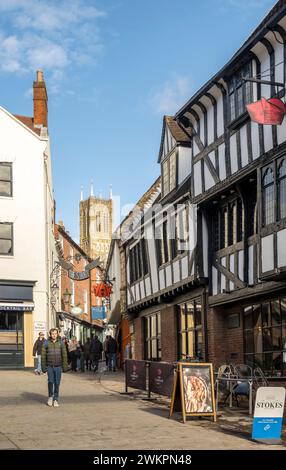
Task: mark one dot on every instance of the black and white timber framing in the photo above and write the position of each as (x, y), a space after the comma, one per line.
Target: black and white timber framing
(213, 162)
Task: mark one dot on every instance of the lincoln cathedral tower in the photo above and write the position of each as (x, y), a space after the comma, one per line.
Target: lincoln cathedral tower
(96, 225)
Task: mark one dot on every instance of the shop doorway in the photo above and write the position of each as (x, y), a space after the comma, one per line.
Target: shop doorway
(11, 339)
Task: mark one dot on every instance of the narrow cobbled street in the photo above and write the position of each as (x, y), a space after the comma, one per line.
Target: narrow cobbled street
(95, 415)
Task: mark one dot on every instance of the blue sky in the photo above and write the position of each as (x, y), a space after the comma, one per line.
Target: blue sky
(113, 68)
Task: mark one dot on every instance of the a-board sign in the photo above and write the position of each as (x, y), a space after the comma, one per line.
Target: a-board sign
(268, 414)
(161, 378)
(135, 374)
(193, 392)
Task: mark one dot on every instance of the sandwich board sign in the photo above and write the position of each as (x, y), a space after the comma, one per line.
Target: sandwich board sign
(268, 414)
(193, 392)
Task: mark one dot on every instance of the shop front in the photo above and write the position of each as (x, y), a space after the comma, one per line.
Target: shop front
(172, 331)
(251, 332)
(16, 324)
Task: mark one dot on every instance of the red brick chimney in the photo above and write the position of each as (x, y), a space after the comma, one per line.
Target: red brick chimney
(40, 101)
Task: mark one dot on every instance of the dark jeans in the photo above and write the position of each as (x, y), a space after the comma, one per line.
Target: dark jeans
(54, 380)
(74, 358)
(95, 361)
(111, 361)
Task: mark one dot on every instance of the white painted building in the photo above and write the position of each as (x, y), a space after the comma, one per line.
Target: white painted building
(27, 247)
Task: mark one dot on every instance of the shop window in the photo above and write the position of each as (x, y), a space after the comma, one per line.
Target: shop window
(265, 336)
(190, 330)
(152, 334)
(6, 179)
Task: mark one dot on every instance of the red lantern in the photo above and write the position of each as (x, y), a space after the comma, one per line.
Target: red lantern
(102, 290)
(270, 111)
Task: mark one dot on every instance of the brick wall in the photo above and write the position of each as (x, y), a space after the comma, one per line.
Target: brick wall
(169, 334)
(139, 338)
(225, 345)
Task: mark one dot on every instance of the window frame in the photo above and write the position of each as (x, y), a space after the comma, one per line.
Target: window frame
(149, 337)
(11, 239)
(195, 328)
(9, 165)
(225, 226)
(138, 268)
(274, 166)
(169, 185)
(256, 330)
(235, 86)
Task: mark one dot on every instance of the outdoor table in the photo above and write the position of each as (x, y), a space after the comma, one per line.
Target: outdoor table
(232, 382)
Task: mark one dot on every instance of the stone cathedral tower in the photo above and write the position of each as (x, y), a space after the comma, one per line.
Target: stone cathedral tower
(96, 225)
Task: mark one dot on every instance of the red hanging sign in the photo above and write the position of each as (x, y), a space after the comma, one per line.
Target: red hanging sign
(271, 111)
(102, 290)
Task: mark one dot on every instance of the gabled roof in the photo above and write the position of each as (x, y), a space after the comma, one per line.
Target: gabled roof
(178, 132)
(136, 214)
(29, 122)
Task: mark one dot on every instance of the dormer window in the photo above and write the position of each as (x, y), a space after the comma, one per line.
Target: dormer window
(169, 173)
(239, 92)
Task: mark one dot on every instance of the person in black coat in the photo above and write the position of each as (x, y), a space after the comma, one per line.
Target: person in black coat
(111, 349)
(95, 352)
(37, 351)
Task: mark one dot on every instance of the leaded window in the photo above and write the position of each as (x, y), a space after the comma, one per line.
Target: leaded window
(268, 196)
(239, 92)
(228, 223)
(282, 188)
(274, 191)
(169, 173)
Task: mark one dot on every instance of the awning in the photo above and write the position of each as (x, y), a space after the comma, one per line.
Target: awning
(114, 317)
(12, 307)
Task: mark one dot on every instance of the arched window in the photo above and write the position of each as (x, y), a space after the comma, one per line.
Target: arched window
(268, 196)
(282, 188)
(98, 222)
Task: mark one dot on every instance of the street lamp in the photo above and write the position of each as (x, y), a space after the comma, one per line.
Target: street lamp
(67, 295)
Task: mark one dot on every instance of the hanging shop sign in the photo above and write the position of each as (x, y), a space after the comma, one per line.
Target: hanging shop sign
(193, 392)
(98, 313)
(268, 414)
(271, 111)
(102, 289)
(78, 276)
(161, 378)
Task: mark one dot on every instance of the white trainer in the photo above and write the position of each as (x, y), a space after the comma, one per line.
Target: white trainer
(50, 401)
(56, 404)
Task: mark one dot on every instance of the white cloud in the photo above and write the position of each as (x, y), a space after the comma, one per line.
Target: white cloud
(49, 34)
(171, 95)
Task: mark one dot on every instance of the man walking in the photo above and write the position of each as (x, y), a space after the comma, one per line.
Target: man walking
(111, 349)
(95, 352)
(54, 361)
(37, 351)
